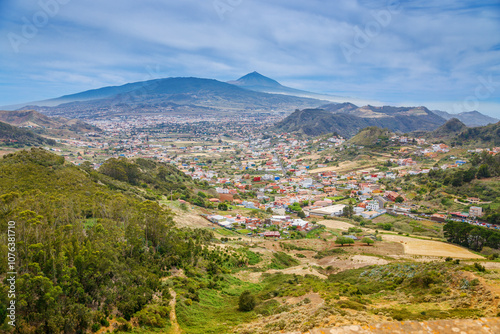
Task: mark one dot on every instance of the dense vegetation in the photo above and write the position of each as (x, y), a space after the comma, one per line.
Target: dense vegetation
(18, 137)
(489, 134)
(86, 252)
(470, 236)
(156, 178)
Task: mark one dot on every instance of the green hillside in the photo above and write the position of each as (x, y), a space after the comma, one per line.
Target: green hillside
(14, 136)
(488, 135)
(371, 136)
(86, 251)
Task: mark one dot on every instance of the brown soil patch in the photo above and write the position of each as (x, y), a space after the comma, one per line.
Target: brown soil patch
(336, 224)
(353, 262)
(298, 270)
(313, 297)
(430, 248)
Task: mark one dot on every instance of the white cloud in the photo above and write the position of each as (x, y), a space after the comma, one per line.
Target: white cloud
(428, 51)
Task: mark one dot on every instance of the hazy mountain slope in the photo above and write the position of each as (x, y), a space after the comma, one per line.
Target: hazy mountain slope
(177, 94)
(260, 83)
(348, 123)
(470, 118)
(339, 107)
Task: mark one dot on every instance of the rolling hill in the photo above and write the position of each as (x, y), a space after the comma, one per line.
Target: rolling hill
(45, 125)
(12, 135)
(348, 121)
(488, 135)
(370, 136)
(446, 131)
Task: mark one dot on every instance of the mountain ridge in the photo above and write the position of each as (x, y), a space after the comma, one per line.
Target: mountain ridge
(469, 118)
(318, 121)
(174, 94)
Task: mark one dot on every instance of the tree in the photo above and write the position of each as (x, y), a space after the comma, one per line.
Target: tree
(348, 211)
(222, 207)
(343, 240)
(246, 301)
(483, 172)
(301, 214)
(399, 199)
(367, 241)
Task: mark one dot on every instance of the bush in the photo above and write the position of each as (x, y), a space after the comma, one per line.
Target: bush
(282, 260)
(246, 301)
(385, 226)
(479, 267)
(330, 252)
(95, 327)
(351, 305)
(153, 316)
(267, 308)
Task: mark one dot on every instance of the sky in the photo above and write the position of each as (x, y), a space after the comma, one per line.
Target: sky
(442, 54)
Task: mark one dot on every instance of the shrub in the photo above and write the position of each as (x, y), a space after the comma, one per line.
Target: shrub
(282, 261)
(246, 301)
(479, 267)
(153, 316)
(267, 308)
(351, 305)
(95, 327)
(329, 252)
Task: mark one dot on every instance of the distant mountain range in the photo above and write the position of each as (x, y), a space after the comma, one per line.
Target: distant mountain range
(347, 119)
(171, 95)
(470, 118)
(250, 93)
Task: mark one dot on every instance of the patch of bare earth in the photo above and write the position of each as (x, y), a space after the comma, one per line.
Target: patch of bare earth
(430, 248)
(336, 224)
(191, 219)
(351, 262)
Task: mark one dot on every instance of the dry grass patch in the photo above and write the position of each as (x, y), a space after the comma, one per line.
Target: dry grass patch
(430, 248)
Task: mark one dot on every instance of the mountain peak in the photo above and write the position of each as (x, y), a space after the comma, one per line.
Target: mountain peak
(256, 79)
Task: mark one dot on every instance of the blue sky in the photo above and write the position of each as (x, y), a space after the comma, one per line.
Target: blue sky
(441, 54)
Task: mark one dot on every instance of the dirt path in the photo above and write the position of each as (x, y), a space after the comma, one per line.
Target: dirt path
(176, 329)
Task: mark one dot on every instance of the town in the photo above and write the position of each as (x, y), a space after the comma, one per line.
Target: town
(293, 180)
